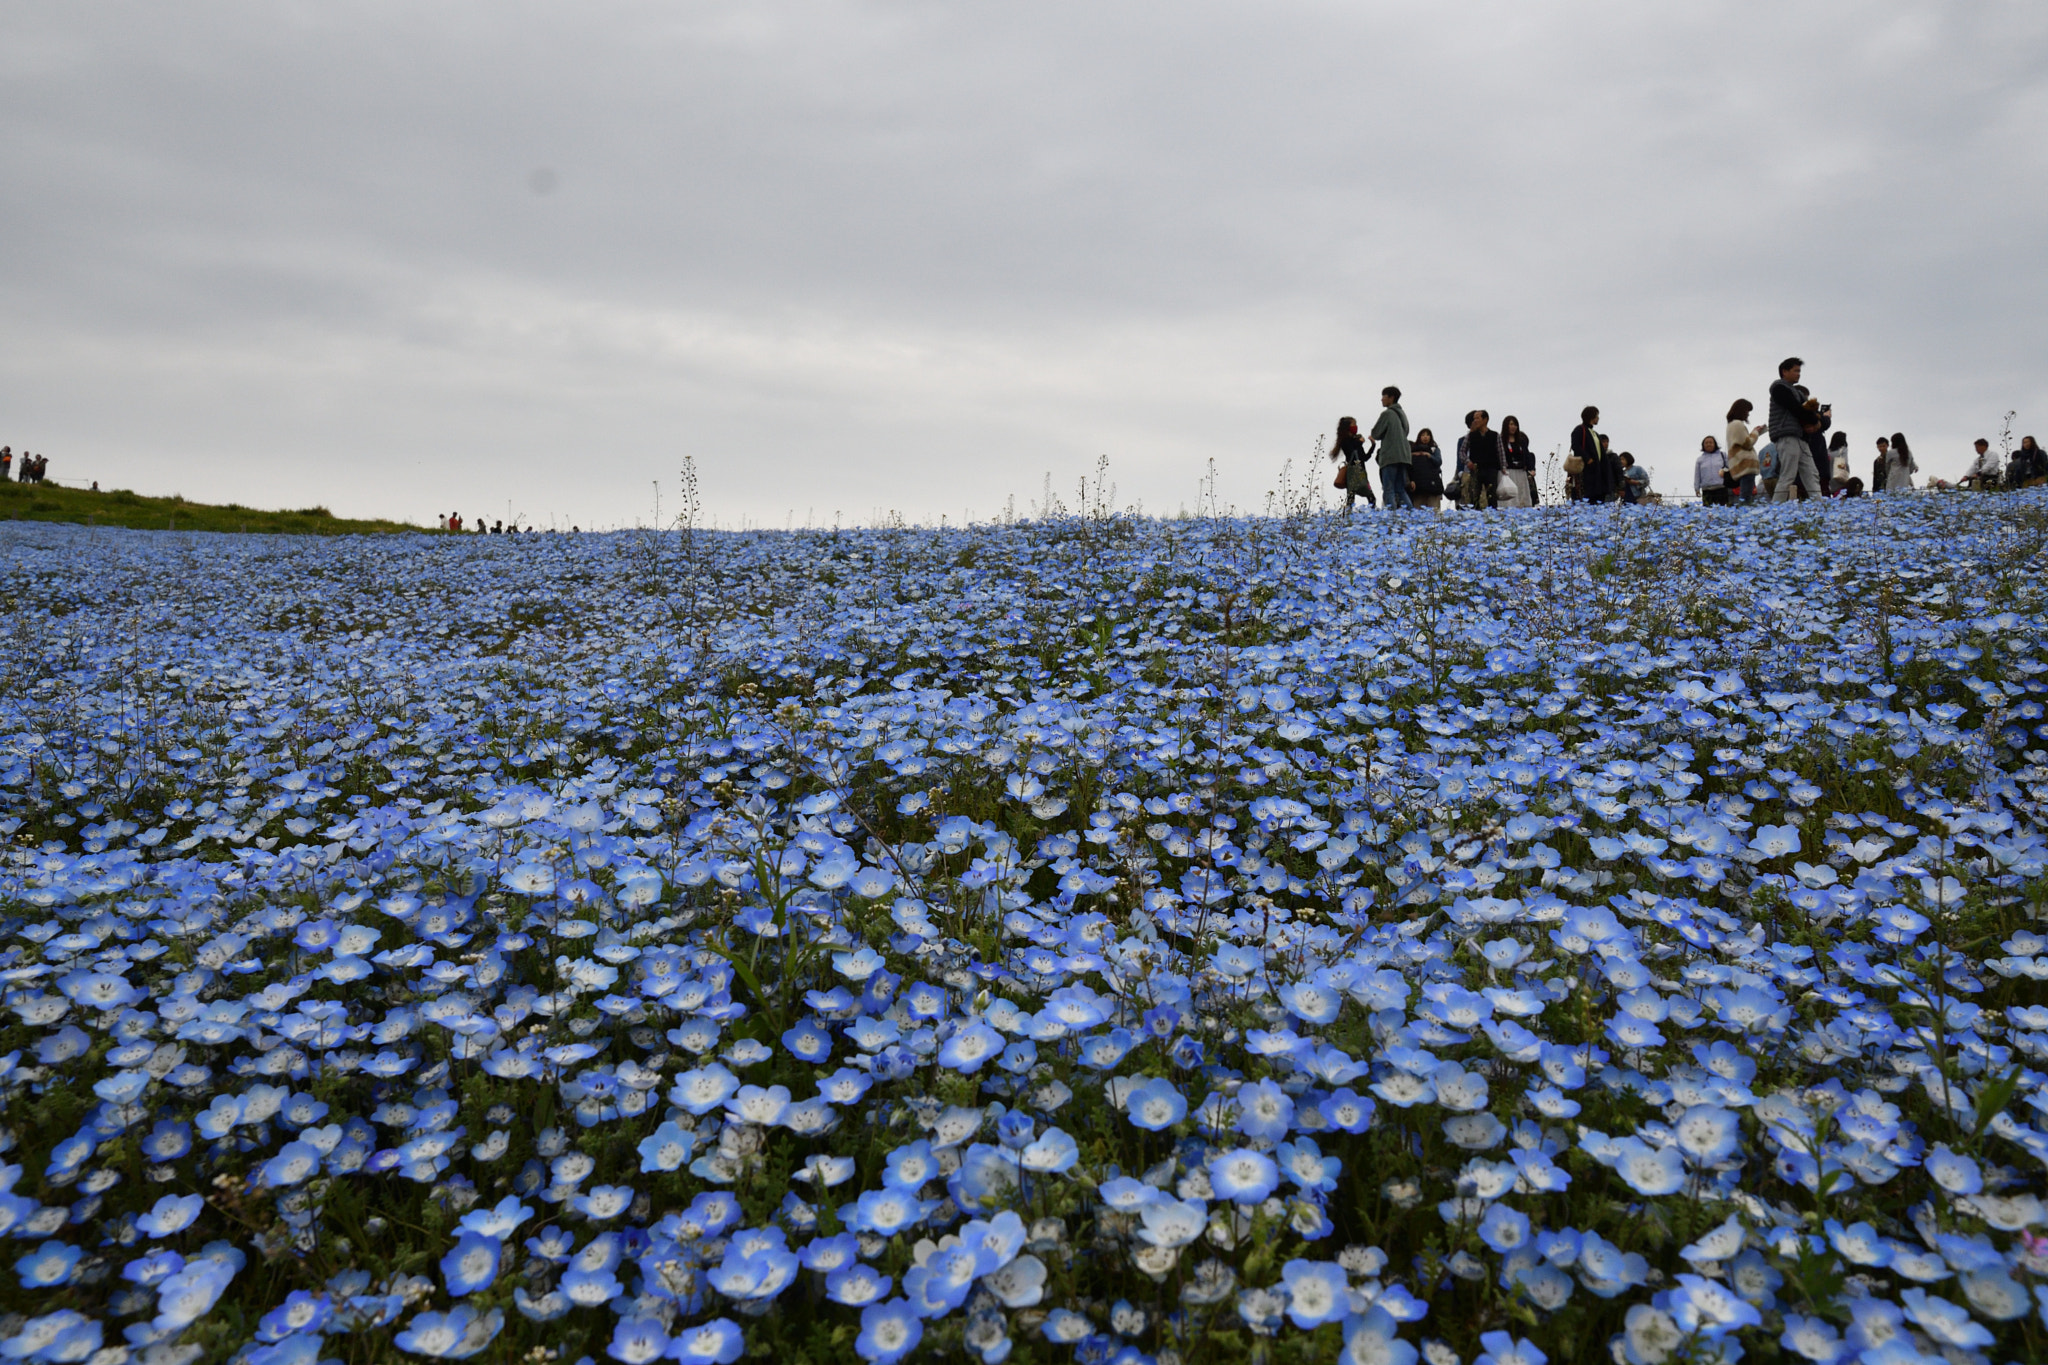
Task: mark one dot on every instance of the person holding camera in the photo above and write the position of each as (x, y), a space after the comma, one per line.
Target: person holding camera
(1793, 417)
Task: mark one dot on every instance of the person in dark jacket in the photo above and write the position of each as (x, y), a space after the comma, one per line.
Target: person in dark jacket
(1426, 472)
(2029, 462)
(1589, 447)
(1350, 448)
(1793, 414)
(1884, 449)
(1517, 460)
(1482, 458)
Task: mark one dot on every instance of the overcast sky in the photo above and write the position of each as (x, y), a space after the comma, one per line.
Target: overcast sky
(403, 258)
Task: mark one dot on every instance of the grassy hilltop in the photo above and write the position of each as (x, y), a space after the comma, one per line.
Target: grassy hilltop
(119, 507)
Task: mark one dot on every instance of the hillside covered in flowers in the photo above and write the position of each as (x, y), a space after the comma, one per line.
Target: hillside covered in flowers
(1566, 935)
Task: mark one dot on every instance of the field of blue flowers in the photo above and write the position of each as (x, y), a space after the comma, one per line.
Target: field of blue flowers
(1561, 935)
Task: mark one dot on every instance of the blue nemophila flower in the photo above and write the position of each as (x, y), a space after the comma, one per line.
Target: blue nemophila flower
(1504, 1229)
(1954, 1173)
(910, 1167)
(1155, 1105)
(667, 1148)
(1053, 1153)
(970, 1047)
(1317, 1292)
(300, 1312)
(887, 1212)
(171, 1215)
(1243, 1175)
(638, 1341)
(888, 1332)
(1265, 1111)
(50, 1263)
(717, 1342)
(856, 1285)
(808, 1041)
(1168, 1222)
(1303, 1163)
(1015, 1130)
(295, 1163)
(472, 1264)
(604, 1202)
(191, 1292)
(1503, 1349)
(1372, 1338)
(704, 1089)
(455, 1335)
(941, 1283)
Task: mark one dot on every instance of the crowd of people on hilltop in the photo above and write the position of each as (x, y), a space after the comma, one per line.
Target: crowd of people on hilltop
(453, 522)
(1784, 458)
(1795, 454)
(34, 468)
(1491, 468)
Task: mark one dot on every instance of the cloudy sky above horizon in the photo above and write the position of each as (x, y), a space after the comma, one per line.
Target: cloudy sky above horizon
(854, 258)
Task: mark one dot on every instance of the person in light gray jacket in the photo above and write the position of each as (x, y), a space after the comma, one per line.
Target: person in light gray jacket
(1390, 436)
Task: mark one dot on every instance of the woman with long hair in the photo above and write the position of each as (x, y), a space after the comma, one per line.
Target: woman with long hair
(1426, 472)
(1838, 458)
(1900, 466)
(2030, 462)
(1518, 462)
(1741, 451)
(1350, 448)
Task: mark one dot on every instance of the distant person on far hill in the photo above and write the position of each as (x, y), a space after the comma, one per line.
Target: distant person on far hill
(1986, 471)
(1884, 450)
(455, 522)
(1390, 438)
(6, 463)
(1793, 414)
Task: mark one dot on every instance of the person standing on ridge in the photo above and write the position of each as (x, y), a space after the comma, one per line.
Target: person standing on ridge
(1741, 453)
(1589, 448)
(1517, 461)
(1390, 438)
(1791, 412)
(1350, 448)
(1482, 453)
(1900, 466)
(1426, 472)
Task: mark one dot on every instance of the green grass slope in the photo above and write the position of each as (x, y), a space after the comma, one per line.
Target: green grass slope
(119, 507)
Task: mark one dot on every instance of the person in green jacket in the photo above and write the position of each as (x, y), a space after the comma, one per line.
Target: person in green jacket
(1390, 436)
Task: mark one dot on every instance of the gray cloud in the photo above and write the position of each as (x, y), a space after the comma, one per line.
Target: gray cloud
(854, 257)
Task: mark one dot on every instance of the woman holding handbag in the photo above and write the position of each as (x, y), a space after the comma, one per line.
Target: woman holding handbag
(1354, 473)
(1741, 454)
(1519, 462)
